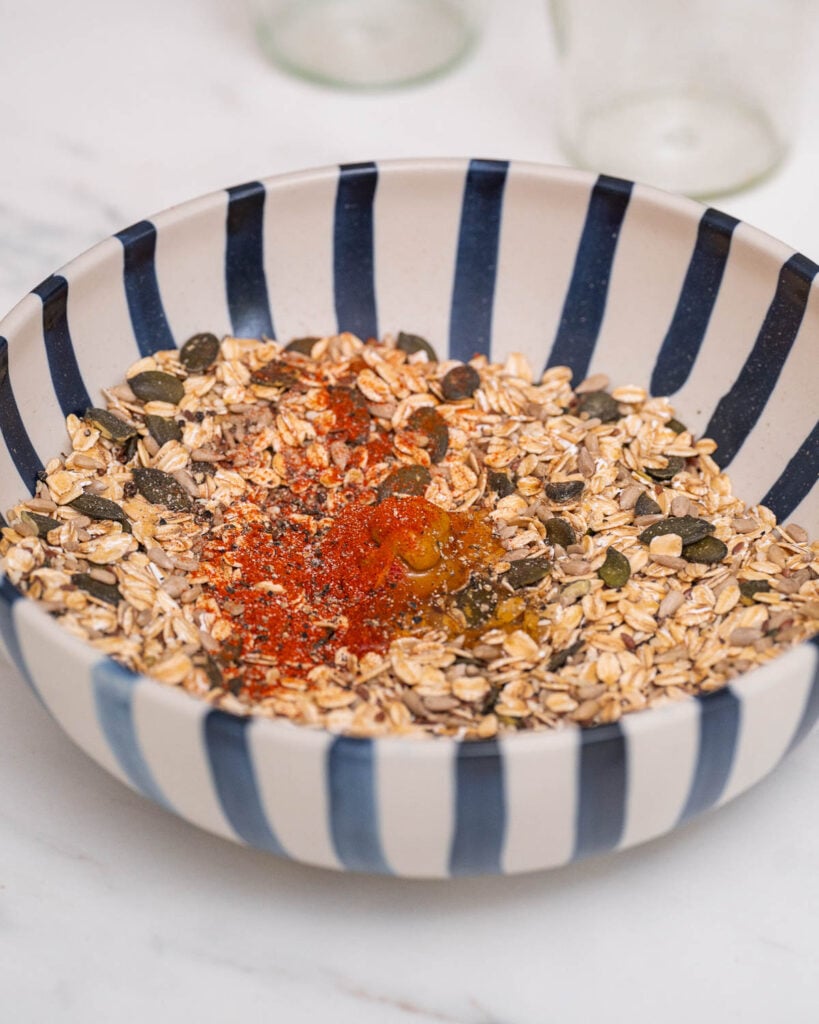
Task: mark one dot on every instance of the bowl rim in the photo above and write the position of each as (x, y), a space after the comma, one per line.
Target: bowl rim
(179, 700)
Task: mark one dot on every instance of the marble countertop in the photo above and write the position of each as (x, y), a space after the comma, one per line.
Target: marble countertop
(111, 909)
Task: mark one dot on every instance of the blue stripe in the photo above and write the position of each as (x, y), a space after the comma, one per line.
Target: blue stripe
(810, 713)
(602, 786)
(703, 278)
(480, 810)
(353, 805)
(738, 411)
(796, 480)
(148, 320)
(9, 595)
(353, 255)
(62, 360)
(113, 698)
(585, 302)
(476, 266)
(235, 779)
(719, 731)
(245, 280)
(14, 432)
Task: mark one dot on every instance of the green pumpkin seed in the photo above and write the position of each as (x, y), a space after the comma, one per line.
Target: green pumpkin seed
(477, 601)
(616, 570)
(461, 382)
(563, 491)
(199, 352)
(690, 528)
(559, 531)
(212, 670)
(499, 483)
(303, 346)
(156, 386)
(110, 426)
(559, 658)
(412, 343)
(275, 374)
(598, 405)
(411, 480)
(163, 429)
(107, 592)
(429, 422)
(675, 465)
(43, 524)
(676, 426)
(646, 506)
(750, 588)
(162, 489)
(95, 507)
(527, 571)
(706, 550)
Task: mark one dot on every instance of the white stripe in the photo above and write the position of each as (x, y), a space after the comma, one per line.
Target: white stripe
(290, 767)
(654, 249)
(541, 228)
(98, 319)
(168, 724)
(416, 245)
(662, 745)
(61, 665)
(540, 785)
(31, 378)
(772, 699)
(298, 254)
(190, 267)
(415, 790)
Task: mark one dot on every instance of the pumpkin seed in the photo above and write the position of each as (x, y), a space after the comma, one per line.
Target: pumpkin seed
(304, 346)
(477, 600)
(275, 374)
(615, 571)
(748, 589)
(199, 352)
(163, 429)
(461, 382)
(43, 524)
(412, 480)
(598, 405)
(212, 670)
(156, 386)
(646, 506)
(161, 488)
(95, 507)
(675, 466)
(527, 571)
(706, 550)
(675, 425)
(107, 592)
(110, 426)
(559, 658)
(428, 421)
(559, 531)
(690, 528)
(499, 483)
(412, 343)
(129, 449)
(563, 491)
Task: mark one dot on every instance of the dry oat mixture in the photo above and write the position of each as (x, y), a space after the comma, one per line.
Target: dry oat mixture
(361, 538)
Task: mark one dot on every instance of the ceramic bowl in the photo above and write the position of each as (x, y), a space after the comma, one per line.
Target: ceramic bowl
(479, 256)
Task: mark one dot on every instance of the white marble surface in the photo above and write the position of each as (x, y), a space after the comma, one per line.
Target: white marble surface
(111, 909)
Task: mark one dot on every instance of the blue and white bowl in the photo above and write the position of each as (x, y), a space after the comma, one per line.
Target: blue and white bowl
(486, 256)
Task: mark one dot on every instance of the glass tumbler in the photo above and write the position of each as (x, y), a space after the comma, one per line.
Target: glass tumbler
(367, 43)
(694, 96)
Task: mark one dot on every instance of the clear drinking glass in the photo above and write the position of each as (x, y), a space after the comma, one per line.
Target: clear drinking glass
(695, 96)
(367, 43)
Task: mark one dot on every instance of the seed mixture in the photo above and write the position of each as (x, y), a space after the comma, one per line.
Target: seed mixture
(358, 537)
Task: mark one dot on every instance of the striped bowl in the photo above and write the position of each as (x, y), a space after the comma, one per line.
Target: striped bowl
(479, 256)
